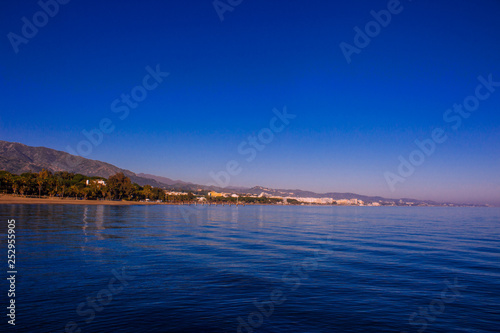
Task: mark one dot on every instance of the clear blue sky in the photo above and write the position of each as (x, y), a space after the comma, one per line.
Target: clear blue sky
(353, 120)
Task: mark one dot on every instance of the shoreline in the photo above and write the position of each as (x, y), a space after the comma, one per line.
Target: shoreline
(8, 199)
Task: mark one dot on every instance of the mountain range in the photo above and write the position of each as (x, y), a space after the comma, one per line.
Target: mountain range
(17, 158)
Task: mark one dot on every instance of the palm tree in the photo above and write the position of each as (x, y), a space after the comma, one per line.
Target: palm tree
(86, 191)
(41, 179)
(75, 190)
(63, 188)
(147, 191)
(5, 181)
(23, 187)
(15, 186)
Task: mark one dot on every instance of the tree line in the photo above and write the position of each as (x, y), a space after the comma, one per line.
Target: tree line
(63, 184)
(66, 184)
(245, 200)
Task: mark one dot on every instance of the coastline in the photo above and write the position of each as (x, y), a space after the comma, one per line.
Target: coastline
(8, 199)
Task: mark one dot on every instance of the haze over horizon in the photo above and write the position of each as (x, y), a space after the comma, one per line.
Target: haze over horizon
(353, 117)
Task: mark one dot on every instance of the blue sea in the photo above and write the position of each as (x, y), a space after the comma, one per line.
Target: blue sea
(252, 269)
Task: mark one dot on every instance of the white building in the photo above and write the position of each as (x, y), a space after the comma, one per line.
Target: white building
(98, 181)
(175, 193)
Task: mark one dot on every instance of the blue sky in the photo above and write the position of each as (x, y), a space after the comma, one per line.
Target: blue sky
(353, 120)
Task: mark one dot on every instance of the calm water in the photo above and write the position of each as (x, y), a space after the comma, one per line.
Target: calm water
(254, 269)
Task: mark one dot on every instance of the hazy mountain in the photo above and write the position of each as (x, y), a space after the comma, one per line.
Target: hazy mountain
(163, 180)
(258, 190)
(18, 158)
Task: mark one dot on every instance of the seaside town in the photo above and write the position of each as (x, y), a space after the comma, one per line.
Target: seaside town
(289, 200)
(120, 189)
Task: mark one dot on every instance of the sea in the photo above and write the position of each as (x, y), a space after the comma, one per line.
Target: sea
(167, 268)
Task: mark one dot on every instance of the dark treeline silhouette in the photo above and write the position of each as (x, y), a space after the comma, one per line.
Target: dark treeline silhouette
(244, 200)
(65, 184)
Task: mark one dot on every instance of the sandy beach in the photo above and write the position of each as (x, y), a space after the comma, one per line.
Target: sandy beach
(6, 199)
